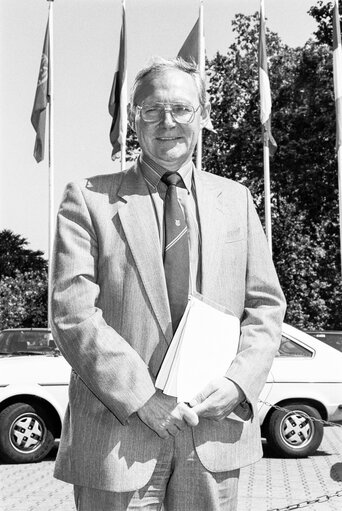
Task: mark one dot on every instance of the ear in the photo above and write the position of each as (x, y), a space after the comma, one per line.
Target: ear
(131, 117)
(205, 115)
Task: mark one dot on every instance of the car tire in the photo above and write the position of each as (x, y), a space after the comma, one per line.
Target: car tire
(25, 434)
(293, 434)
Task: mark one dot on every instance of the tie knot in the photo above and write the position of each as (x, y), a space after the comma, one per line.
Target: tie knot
(172, 178)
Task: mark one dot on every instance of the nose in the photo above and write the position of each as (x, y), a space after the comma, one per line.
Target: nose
(167, 119)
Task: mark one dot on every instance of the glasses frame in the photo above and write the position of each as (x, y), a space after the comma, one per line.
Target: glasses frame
(167, 108)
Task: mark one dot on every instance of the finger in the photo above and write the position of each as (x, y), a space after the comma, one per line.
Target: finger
(173, 430)
(200, 409)
(205, 408)
(187, 414)
(210, 411)
(180, 425)
(162, 433)
(202, 396)
(191, 417)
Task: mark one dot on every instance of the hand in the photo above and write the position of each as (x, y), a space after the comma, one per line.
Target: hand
(165, 417)
(218, 399)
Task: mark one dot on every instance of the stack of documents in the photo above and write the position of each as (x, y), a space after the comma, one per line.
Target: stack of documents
(203, 347)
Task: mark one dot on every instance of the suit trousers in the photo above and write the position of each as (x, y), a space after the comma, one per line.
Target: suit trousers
(179, 483)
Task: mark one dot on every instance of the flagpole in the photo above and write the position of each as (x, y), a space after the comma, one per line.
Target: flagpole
(201, 65)
(337, 68)
(265, 118)
(267, 193)
(123, 108)
(51, 151)
(339, 166)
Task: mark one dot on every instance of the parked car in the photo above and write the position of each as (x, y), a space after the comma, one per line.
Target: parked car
(331, 337)
(305, 379)
(33, 394)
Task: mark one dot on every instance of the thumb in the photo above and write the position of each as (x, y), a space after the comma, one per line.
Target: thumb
(188, 414)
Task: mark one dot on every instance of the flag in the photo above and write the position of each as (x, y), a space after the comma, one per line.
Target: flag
(118, 96)
(191, 51)
(264, 86)
(337, 66)
(38, 116)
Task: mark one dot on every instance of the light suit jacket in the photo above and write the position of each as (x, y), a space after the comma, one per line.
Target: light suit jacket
(111, 320)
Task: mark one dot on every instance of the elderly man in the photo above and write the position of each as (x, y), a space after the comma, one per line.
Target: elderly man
(130, 247)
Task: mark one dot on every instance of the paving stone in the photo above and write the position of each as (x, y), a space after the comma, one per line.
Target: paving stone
(271, 484)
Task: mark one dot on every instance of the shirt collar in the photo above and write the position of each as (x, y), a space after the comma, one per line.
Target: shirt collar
(153, 172)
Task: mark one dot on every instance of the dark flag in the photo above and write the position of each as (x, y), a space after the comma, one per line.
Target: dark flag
(38, 117)
(118, 95)
(190, 51)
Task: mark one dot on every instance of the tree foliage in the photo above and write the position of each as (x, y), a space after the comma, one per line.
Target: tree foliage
(23, 300)
(322, 13)
(14, 255)
(23, 283)
(303, 171)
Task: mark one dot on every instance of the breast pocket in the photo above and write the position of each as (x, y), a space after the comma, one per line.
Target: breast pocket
(234, 235)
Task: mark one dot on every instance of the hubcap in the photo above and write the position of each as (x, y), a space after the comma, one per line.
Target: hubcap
(27, 433)
(296, 429)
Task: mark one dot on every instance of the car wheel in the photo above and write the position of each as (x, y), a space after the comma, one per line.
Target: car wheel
(25, 435)
(294, 434)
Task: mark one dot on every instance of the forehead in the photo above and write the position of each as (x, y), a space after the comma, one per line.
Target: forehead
(167, 85)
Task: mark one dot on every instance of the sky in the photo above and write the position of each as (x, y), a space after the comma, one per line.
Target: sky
(86, 36)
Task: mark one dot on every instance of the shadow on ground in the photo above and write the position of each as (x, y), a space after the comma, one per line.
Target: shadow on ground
(269, 453)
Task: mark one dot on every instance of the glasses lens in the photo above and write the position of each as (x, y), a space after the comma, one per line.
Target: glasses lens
(180, 113)
(152, 113)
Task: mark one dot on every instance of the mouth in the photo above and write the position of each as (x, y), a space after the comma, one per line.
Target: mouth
(168, 139)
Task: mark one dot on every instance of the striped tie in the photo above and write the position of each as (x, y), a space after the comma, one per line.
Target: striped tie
(176, 255)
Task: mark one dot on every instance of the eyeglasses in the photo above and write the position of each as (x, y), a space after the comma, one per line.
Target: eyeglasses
(181, 113)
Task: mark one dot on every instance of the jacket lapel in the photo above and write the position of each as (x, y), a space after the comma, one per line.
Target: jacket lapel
(212, 225)
(137, 218)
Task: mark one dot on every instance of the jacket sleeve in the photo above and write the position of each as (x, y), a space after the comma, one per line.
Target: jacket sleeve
(107, 364)
(264, 310)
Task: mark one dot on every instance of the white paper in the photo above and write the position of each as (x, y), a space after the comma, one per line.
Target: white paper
(205, 344)
(209, 345)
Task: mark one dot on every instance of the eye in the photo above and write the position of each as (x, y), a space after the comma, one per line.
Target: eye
(181, 109)
(151, 109)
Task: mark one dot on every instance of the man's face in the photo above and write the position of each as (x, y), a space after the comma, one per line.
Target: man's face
(168, 143)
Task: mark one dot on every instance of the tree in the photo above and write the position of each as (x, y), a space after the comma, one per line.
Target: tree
(23, 283)
(322, 13)
(303, 171)
(23, 300)
(15, 256)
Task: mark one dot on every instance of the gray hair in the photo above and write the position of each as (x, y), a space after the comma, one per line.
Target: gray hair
(159, 64)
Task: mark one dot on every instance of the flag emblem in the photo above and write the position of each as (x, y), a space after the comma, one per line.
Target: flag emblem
(44, 70)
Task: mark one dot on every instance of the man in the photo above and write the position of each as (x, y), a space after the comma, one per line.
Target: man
(126, 445)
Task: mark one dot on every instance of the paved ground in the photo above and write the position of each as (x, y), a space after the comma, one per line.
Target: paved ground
(271, 484)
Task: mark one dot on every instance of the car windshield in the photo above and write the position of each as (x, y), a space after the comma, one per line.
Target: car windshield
(26, 342)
